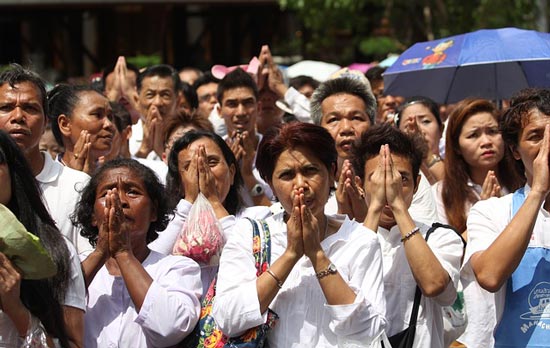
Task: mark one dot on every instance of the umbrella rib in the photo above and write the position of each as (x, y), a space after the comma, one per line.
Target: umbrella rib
(446, 101)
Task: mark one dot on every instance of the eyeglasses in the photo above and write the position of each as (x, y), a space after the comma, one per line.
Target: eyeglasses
(206, 97)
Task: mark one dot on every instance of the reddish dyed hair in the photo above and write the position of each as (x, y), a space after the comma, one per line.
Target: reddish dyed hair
(455, 190)
(290, 136)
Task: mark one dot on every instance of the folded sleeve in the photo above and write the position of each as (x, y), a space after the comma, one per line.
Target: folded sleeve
(76, 292)
(171, 307)
(364, 319)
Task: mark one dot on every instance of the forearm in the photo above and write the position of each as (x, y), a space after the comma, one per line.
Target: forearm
(493, 266)
(266, 285)
(91, 265)
(335, 288)
(427, 271)
(136, 278)
(373, 217)
(19, 315)
(74, 324)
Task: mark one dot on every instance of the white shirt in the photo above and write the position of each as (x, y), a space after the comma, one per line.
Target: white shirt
(61, 188)
(74, 297)
(486, 221)
(400, 285)
(169, 312)
(158, 167)
(306, 320)
(422, 207)
(136, 138)
(164, 244)
(479, 303)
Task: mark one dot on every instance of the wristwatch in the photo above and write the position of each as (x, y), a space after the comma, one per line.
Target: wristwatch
(331, 269)
(435, 158)
(257, 190)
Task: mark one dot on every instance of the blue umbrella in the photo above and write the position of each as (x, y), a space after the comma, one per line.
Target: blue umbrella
(490, 63)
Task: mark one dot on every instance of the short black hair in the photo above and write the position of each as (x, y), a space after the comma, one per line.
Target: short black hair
(84, 211)
(516, 117)
(380, 134)
(205, 79)
(16, 74)
(303, 80)
(62, 99)
(375, 74)
(160, 70)
(190, 95)
(427, 102)
(121, 116)
(235, 79)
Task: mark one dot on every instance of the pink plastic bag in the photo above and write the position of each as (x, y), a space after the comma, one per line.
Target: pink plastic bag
(201, 237)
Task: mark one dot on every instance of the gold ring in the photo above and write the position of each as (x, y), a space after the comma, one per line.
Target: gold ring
(75, 156)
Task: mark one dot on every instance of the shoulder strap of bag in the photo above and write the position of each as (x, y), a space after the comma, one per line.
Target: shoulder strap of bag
(418, 293)
(261, 249)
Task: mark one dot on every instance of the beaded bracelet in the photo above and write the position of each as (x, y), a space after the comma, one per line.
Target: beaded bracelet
(410, 234)
(279, 282)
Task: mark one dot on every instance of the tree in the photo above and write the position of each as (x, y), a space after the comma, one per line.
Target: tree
(345, 30)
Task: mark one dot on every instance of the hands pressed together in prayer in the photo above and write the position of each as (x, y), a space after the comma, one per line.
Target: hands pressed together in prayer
(350, 196)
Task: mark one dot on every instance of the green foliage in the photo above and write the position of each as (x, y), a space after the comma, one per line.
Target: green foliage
(338, 30)
(142, 61)
(378, 47)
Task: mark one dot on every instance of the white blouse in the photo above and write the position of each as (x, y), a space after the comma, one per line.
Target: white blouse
(169, 312)
(306, 320)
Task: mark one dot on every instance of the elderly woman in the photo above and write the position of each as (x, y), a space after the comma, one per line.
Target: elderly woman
(82, 122)
(58, 302)
(325, 278)
(136, 297)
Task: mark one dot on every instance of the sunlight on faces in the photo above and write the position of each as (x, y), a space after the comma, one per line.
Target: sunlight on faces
(207, 98)
(425, 121)
(158, 91)
(301, 168)
(139, 211)
(480, 142)
(239, 109)
(530, 140)
(49, 144)
(345, 118)
(93, 113)
(22, 114)
(404, 167)
(222, 172)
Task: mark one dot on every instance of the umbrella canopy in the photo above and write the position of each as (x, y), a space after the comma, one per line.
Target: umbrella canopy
(316, 69)
(491, 63)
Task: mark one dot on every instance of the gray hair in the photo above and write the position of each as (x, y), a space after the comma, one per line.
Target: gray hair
(342, 85)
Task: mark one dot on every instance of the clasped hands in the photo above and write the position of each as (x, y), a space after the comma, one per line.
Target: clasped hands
(303, 230)
(198, 177)
(385, 185)
(114, 236)
(349, 194)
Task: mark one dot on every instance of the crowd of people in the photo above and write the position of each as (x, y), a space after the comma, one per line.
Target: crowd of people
(332, 215)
